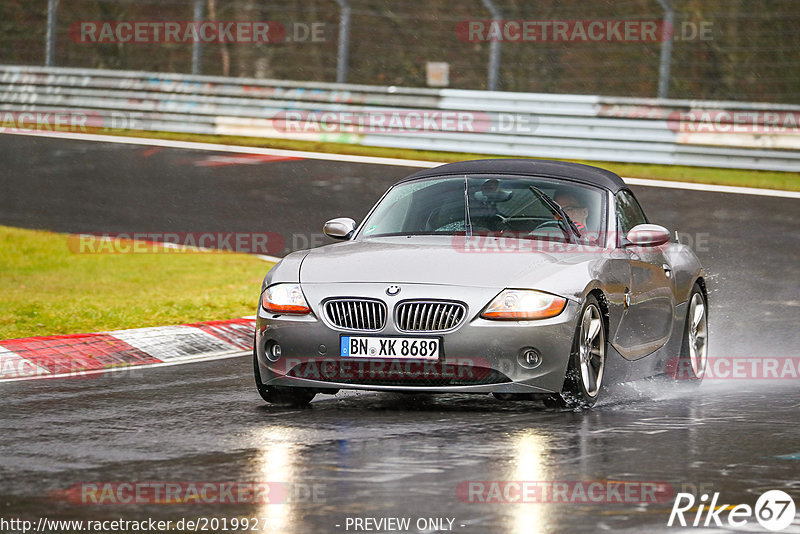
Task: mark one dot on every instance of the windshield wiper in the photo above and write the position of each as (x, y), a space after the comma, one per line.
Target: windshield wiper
(557, 210)
(467, 218)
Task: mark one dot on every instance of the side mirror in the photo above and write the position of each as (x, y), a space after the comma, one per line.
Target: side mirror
(648, 235)
(341, 228)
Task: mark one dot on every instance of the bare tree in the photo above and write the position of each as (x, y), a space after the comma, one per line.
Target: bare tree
(223, 50)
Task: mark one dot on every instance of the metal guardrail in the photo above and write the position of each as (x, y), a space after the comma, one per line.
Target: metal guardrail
(674, 132)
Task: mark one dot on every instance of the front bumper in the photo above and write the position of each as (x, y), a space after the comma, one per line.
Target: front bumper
(480, 356)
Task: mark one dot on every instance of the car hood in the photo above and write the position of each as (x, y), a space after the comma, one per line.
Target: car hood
(426, 260)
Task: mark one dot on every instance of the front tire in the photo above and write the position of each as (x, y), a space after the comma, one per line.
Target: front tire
(584, 379)
(690, 367)
(281, 395)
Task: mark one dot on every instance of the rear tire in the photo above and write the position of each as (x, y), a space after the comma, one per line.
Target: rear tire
(281, 395)
(584, 379)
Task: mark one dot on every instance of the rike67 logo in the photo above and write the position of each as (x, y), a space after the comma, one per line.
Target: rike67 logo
(774, 510)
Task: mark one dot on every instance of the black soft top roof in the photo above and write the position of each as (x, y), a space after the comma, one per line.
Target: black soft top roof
(527, 167)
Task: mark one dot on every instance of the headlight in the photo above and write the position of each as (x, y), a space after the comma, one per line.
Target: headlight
(284, 298)
(522, 304)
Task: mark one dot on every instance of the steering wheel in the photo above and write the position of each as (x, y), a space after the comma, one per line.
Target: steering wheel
(549, 224)
(503, 221)
(547, 227)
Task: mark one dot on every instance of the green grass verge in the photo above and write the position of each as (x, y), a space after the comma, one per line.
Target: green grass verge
(49, 290)
(706, 175)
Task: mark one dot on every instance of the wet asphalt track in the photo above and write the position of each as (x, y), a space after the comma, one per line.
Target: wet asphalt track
(387, 455)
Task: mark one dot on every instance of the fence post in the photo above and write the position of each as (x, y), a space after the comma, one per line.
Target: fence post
(667, 33)
(494, 48)
(344, 41)
(197, 45)
(50, 45)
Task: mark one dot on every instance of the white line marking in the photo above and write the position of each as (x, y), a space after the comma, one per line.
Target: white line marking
(173, 342)
(273, 259)
(192, 145)
(214, 147)
(713, 188)
(79, 374)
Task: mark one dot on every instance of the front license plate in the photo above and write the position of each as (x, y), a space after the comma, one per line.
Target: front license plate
(391, 347)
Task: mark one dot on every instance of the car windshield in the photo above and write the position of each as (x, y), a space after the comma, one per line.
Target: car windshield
(493, 205)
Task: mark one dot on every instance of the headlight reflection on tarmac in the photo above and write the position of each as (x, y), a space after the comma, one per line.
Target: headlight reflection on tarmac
(275, 463)
(529, 465)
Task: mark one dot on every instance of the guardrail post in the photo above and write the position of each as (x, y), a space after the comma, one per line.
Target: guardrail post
(667, 33)
(344, 41)
(494, 48)
(197, 46)
(50, 45)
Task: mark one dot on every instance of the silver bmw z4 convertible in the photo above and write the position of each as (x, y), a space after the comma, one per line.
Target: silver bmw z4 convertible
(519, 278)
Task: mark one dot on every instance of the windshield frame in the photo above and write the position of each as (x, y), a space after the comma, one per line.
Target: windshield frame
(603, 192)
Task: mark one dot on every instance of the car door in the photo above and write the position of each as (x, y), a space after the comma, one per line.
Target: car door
(646, 322)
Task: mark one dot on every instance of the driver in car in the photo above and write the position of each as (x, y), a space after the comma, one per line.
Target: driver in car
(574, 207)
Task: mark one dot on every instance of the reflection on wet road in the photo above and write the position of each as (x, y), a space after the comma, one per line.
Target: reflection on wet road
(390, 455)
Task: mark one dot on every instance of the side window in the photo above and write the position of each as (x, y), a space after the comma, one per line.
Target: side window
(629, 212)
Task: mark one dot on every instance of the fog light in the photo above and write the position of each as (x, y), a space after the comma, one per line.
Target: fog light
(529, 358)
(272, 351)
